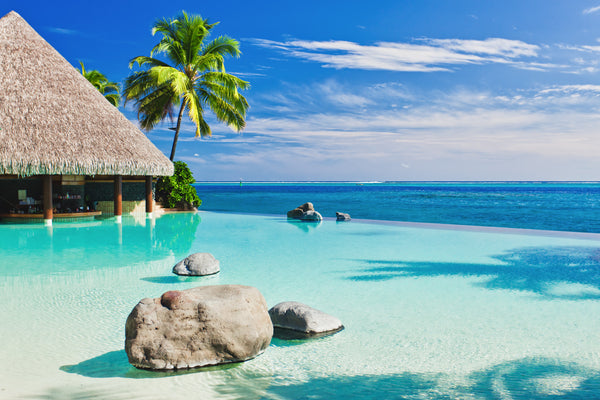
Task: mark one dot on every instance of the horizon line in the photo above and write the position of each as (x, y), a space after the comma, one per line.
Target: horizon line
(399, 181)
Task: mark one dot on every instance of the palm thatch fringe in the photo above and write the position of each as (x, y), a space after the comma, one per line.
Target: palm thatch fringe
(25, 169)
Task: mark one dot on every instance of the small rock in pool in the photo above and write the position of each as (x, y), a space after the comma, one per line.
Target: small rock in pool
(342, 216)
(302, 319)
(305, 212)
(197, 264)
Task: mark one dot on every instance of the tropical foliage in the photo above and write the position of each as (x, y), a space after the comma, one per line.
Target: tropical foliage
(109, 89)
(193, 77)
(177, 191)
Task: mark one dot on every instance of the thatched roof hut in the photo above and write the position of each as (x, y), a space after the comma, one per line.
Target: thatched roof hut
(54, 122)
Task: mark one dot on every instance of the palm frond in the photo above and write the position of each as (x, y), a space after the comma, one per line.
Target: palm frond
(223, 45)
(143, 61)
(109, 89)
(178, 80)
(195, 113)
(155, 106)
(226, 112)
(113, 98)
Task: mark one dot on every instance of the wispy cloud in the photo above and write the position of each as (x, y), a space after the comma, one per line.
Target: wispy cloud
(423, 55)
(493, 46)
(63, 31)
(582, 48)
(248, 74)
(591, 10)
(338, 96)
(568, 89)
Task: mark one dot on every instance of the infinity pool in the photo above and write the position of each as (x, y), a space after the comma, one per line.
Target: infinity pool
(430, 311)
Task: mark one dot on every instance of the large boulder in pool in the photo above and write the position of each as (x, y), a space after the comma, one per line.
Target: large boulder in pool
(292, 316)
(305, 212)
(197, 264)
(198, 327)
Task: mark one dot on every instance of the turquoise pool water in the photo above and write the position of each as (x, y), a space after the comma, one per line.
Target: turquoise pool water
(434, 312)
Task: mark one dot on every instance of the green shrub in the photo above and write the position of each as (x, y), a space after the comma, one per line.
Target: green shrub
(177, 191)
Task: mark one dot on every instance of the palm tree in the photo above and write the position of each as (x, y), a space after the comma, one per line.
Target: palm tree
(196, 79)
(109, 89)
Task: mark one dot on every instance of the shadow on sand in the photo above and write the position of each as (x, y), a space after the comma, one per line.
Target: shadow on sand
(180, 279)
(115, 364)
(570, 273)
(526, 379)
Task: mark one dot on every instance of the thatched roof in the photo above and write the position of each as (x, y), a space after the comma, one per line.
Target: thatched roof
(53, 121)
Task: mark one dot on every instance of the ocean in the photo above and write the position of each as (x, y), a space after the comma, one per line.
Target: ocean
(562, 206)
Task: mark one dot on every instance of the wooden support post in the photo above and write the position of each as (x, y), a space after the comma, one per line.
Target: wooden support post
(149, 199)
(47, 199)
(118, 198)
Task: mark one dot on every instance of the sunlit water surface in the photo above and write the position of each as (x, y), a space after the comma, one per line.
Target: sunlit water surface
(429, 313)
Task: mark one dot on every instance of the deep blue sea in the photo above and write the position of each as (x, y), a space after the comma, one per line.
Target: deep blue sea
(563, 206)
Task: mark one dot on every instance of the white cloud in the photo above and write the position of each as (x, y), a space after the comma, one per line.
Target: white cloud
(571, 89)
(591, 10)
(548, 133)
(337, 95)
(191, 160)
(434, 55)
(494, 46)
(247, 74)
(583, 48)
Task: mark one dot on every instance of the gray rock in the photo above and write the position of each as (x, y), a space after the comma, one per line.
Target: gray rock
(198, 327)
(297, 212)
(307, 207)
(306, 212)
(342, 216)
(197, 264)
(299, 317)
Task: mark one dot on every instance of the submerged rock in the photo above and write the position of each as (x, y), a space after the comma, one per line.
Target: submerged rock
(197, 264)
(311, 215)
(305, 212)
(340, 216)
(198, 327)
(297, 317)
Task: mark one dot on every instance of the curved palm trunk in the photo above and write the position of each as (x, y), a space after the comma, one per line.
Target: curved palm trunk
(177, 130)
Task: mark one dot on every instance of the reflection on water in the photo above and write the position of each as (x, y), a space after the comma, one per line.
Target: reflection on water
(95, 245)
(306, 226)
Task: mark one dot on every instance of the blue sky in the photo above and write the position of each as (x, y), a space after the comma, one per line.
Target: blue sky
(382, 90)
